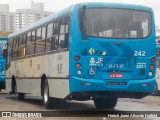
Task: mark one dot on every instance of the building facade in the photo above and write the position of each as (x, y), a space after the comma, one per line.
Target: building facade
(25, 17)
(7, 19)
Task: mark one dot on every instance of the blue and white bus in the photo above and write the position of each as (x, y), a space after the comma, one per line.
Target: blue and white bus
(96, 51)
(3, 41)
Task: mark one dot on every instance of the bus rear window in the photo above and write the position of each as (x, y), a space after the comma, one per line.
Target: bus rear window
(117, 23)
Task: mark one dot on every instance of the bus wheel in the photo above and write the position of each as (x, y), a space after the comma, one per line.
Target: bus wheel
(47, 102)
(19, 96)
(105, 102)
(156, 92)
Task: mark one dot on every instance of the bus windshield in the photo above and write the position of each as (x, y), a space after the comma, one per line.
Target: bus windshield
(117, 23)
(2, 45)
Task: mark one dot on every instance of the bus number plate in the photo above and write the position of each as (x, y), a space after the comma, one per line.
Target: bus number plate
(116, 75)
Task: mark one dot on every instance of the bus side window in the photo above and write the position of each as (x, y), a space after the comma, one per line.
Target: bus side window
(49, 35)
(24, 39)
(19, 47)
(61, 35)
(66, 40)
(30, 44)
(33, 36)
(20, 40)
(14, 50)
(33, 40)
(13, 42)
(67, 32)
(24, 45)
(38, 38)
(38, 34)
(54, 41)
(64, 33)
(40, 43)
(9, 51)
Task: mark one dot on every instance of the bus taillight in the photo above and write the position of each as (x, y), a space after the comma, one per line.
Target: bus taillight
(78, 65)
(153, 60)
(77, 58)
(151, 67)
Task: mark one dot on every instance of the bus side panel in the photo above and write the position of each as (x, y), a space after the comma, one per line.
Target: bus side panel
(59, 84)
(31, 86)
(59, 88)
(29, 71)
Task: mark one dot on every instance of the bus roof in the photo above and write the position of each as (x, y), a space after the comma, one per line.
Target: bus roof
(67, 10)
(115, 5)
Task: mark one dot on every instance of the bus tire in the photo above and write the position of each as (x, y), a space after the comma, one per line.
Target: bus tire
(156, 92)
(47, 101)
(13, 85)
(105, 102)
(19, 96)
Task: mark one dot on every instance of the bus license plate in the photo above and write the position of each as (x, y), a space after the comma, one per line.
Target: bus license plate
(116, 75)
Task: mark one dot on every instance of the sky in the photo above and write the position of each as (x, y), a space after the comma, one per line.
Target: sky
(56, 5)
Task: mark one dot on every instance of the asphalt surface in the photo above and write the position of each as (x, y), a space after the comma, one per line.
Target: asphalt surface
(87, 109)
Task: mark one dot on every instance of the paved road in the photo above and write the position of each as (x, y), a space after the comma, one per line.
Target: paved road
(150, 103)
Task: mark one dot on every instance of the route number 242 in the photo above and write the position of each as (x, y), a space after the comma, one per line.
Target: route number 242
(139, 53)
